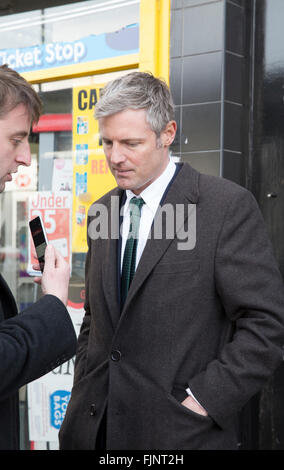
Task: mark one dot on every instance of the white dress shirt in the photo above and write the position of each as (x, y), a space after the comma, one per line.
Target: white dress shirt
(152, 196)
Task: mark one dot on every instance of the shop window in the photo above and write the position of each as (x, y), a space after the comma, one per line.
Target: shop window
(67, 156)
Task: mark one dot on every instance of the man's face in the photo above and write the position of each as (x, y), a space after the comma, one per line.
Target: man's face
(134, 154)
(14, 145)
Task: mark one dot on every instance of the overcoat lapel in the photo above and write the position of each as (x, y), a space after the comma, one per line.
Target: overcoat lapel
(110, 270)
(183, 190)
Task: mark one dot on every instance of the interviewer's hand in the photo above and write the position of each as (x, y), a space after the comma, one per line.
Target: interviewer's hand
(190, 403)
(56, 274)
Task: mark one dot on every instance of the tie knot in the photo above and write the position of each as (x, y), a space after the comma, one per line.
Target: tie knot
(137, 202)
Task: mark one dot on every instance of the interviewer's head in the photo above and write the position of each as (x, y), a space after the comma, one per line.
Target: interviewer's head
(20, 107)
(15, 90)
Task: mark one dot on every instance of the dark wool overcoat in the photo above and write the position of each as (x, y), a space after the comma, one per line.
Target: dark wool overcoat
(31, 345)
(209, 318)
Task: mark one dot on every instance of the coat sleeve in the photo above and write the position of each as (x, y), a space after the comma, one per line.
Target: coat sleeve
(34, 342)
(251, 290)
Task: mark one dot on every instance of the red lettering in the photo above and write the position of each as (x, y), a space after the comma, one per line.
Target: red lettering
(43, 202)
(99, 167)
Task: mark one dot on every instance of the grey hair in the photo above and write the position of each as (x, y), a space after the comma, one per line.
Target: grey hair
(138, 90)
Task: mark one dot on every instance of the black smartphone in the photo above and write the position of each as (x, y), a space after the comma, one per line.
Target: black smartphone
(39, 238)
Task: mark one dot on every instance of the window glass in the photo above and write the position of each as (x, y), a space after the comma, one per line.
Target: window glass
(68, 22)
(68, 169)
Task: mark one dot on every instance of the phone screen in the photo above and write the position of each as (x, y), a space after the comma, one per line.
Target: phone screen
(39, 238)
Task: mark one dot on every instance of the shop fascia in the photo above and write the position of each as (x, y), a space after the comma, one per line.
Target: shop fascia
(87, 49)
(48, 54)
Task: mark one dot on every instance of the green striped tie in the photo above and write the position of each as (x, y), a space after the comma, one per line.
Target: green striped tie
(129, 258)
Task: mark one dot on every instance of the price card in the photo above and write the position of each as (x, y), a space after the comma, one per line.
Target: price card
(55, 211)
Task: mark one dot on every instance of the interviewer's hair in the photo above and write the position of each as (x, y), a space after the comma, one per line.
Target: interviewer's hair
(138, 90)
(15, 90)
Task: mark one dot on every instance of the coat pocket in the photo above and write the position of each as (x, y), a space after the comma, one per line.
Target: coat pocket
(175, 268)
(188, 430)
(187, 411)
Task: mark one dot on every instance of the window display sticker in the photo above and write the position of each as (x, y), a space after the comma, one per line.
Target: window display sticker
(58, 402)
(81, 154)
(82, 125)
(55, 211)
(62, 177)
(81, 183)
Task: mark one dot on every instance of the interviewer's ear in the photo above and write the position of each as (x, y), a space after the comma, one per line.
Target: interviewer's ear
(168, 134)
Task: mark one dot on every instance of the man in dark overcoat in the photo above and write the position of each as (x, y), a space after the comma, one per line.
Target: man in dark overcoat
(173, 347)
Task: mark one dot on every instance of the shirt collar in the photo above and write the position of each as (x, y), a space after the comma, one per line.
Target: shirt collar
(152, 195)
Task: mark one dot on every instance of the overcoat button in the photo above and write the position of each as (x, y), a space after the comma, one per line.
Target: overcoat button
(92, 409)
(115, 356)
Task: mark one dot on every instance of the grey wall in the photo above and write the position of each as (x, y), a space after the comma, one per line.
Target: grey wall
(207, 78)
(267, 176)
